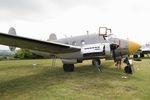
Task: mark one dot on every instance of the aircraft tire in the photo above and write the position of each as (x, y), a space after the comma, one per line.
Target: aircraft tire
(128, 70)
(135, 56)
(68, 67)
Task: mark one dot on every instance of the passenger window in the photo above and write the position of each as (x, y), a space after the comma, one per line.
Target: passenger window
(66, 43)
(74, 43)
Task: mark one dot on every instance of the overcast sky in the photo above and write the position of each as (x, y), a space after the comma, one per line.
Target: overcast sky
(39, 18)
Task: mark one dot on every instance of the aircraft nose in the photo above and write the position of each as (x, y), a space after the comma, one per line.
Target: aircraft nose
(133, 47)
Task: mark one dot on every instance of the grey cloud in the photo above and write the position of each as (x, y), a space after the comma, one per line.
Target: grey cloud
(35, 5)
(18, 5)
(72, 3)
(34, 9)
(19, 9)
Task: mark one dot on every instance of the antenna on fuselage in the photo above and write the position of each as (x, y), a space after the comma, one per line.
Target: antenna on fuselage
(87, 32)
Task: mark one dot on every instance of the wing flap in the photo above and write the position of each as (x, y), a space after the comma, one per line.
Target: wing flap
(33, 44)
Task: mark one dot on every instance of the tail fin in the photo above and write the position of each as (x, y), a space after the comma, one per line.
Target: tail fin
(52, 37)
(12, 31)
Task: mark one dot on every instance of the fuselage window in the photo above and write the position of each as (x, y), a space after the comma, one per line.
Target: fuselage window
(74, 43)
(66, 43)
(82, 42)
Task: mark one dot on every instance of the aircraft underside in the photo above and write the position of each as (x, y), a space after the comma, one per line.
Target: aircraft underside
(69, 67)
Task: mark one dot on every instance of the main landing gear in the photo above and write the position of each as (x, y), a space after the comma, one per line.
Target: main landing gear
(97, 63)
(129, 68)
(68, 67)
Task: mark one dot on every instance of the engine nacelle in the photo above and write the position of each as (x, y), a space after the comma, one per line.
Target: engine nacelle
(69, 61)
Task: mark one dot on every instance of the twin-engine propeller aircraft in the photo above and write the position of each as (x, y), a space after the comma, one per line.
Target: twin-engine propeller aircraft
(144, 50)
(76, 49)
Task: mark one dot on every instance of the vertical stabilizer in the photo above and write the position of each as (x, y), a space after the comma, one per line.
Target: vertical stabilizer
(12, 31)
(52, 37)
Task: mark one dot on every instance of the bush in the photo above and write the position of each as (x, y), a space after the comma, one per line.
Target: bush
(26, 54)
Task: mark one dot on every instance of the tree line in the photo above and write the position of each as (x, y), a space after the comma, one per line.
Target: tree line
(22, 54)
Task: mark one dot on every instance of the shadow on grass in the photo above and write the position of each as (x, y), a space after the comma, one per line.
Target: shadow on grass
(146, 58)
(108, 71)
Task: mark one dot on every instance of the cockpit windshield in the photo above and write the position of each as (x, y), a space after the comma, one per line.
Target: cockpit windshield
(111, 36)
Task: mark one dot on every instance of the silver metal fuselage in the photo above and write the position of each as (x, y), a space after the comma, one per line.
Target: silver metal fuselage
(90, 40)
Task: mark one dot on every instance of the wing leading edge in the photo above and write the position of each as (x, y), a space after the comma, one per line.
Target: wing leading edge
(33, 44)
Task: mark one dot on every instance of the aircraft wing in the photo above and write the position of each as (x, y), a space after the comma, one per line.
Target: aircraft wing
(33, 44)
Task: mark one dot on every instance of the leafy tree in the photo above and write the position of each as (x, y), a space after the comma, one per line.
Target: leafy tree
(26, 54)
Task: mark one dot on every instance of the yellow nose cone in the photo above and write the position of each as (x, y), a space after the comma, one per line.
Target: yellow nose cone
(133, 47)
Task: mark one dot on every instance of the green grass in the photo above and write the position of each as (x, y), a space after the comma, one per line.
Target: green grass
(19, 80)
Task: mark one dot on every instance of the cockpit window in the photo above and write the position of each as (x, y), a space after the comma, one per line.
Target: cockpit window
(111, 36)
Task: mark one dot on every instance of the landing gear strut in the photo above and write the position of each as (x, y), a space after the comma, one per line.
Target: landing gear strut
(142, 55)
(97, 63)
(68, 67)
(129, 68)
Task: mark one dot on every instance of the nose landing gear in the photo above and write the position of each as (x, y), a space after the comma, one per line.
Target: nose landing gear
(129, 69)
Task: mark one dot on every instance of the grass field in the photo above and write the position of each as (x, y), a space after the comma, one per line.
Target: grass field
(19, 80)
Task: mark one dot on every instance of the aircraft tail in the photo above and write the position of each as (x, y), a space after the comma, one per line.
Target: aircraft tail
(52, 37)
(12, 31)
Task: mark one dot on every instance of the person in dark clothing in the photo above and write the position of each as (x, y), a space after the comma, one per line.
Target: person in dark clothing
(118, 62)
